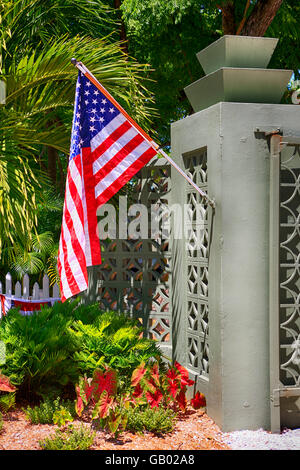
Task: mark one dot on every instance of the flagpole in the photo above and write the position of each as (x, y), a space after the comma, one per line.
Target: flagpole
(80, 66)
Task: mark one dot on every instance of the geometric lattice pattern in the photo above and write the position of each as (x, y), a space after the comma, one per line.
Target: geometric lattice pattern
(197, 266)
(135, 275)
(290, 267)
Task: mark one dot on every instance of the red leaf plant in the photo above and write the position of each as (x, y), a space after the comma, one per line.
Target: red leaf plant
(198, 401)
(5, 384)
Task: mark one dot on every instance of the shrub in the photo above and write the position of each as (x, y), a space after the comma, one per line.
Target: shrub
(114, 340)
(47, 351)
(71, 438)
(46, 412)
(7, 393)
(39, 351)
(150, 389)
(156, 420)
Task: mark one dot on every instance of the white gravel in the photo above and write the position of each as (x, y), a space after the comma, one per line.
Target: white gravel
(263, 440)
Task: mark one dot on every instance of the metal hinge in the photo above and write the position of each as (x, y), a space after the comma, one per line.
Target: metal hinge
(285, 393)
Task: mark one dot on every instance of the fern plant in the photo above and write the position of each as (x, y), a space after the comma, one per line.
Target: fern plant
(113, 340)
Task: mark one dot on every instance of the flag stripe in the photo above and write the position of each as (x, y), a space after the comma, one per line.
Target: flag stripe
(114, 149)
(121, 167)
(120, 159)
(118, 183)
(107, 149)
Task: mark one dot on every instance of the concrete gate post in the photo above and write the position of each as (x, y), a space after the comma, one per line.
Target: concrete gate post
(235, 105)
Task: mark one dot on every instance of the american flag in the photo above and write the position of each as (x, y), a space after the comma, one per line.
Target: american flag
(106, 151)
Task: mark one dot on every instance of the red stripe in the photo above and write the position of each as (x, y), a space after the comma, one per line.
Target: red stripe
(80, 255)
(123, 153)
(69, 275)
(110, 140)
(89, 184)
(126, 176)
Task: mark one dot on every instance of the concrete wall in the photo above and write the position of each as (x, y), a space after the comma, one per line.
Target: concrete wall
(238, 395)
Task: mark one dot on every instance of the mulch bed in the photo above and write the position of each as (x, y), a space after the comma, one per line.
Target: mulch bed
(194, 430)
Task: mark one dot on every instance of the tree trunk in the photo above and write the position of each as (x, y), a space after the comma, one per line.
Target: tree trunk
(123, 35)
(228, 18)
(261, 17)
(52, 157)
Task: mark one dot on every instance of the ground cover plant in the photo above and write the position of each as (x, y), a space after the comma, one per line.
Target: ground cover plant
(69, 438)
(51, 412)
(155, 396)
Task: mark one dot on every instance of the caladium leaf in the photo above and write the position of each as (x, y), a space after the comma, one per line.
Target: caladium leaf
(114, 422)
(154, 399)
(198, 401)
(184, 375)
(104, 404)
(155, 374)
(79, 405)
(5, 384)
(138, 374)
(173, 387)
(181, 400)
(104, 381)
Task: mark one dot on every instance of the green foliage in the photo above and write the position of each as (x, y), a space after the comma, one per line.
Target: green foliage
(156, 420)
(1, 421)
(51, 412)
(113, 340)
(7, 401)
(48, 350)
(39, 351)
(71, 438)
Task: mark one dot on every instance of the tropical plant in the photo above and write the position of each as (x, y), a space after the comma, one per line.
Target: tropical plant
(151, 389)
(50, 411)
(38, 351)
(157, 420)
(71, 438)
(114, 340)
(37, 40)
(47, 351)
(7, 395)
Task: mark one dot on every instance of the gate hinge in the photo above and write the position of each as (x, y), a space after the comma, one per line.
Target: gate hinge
(285, 393)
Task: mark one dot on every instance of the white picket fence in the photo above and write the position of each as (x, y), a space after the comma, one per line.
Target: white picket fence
(22, 290)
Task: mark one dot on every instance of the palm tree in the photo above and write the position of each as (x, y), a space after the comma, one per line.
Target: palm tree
(40, 81)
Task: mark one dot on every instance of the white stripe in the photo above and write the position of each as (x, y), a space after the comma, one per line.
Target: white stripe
(72, 258)
(65, 289)
(78, 227)
(87, 249)
(114, 149)
(119, 169)
(107, 130)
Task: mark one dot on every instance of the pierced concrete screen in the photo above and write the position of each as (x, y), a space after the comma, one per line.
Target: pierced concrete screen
(197, 266)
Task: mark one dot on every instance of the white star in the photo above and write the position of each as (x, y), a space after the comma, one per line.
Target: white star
(77, 123)
(103, 101)
(92, 128)
(88, 84)
(86, 102)
(96, 92)
(101, 119)
(94, 110)
(95, 101)
(78, 115)
(92, 119)
(87, 92)
(111, 110)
